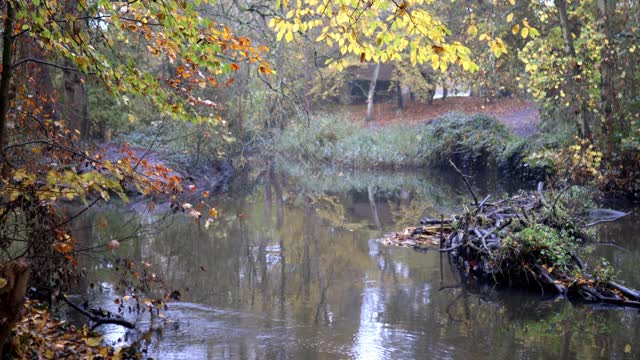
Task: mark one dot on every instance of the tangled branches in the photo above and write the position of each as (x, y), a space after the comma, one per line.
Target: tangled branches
(524, 241)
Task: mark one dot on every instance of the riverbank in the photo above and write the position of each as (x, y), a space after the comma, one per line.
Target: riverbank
(519, 115)
(514, 143)
(211, 174)
(39, 335)
(475, 142)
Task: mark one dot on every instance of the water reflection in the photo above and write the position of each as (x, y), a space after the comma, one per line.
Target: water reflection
(291, 271)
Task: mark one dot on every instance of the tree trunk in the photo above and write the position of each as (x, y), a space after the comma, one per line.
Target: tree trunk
(5, 81)
(400, 99)
(75, 96)
(308, 78)
(107, 134)
(607, 89)
(569, 49)
(372, 92)
(430, 95)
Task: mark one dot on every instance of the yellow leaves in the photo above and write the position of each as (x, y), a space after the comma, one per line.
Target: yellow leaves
(3, 282)
(213, 212)
(472, 31)
(288, 36)
(93, 341)
(510, 17)
(435, 62)
(627, 348)
(497, 47)
(512, 2)
(524, 33)
(374, 31)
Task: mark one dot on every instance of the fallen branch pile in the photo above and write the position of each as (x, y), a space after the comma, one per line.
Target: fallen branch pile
(524, 241)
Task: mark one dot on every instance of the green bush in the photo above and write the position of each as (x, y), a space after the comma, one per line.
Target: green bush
(540, 244)
(470, 140)
(522, 157)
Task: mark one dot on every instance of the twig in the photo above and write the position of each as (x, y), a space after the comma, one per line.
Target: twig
(42, 62)
(466, 182)
(98, 320)
(612, 244)
(451, 248)
(427, 221)
(608, 220)
(482, 203)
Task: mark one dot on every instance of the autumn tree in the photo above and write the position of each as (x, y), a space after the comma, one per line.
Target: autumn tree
(584, 67)
(43, 164)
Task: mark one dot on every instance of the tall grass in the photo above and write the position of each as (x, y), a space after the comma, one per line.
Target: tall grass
(330, 140)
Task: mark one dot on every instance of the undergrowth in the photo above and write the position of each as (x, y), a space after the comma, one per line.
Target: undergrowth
(474, 140)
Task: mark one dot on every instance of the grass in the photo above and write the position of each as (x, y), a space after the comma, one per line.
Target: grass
(475, 140)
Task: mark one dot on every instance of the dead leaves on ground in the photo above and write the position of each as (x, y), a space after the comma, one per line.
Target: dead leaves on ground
(39, 336)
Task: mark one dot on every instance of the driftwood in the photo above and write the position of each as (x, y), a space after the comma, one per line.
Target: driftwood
(475, 241)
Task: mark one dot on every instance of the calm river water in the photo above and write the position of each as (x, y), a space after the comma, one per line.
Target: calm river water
(292, 270)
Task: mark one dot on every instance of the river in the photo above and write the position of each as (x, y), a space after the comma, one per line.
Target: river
(292, 270)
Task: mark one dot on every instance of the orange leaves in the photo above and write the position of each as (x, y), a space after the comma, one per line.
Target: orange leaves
(265, 69)
(64, 248)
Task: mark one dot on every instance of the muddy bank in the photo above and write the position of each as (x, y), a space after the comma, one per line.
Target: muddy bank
(212, 174)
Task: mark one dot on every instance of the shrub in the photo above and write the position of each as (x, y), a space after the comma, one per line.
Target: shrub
(540, 244)
(471, 140)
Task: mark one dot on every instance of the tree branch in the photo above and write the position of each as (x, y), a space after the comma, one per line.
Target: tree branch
(98, 320)
(38, 61)
(466, 182)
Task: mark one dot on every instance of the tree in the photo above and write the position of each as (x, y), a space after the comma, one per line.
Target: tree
(43, 164)
(586, 55)
(372, 91)
(375, 31)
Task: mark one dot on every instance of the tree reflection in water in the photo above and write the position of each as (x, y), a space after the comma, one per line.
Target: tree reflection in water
(308, 280)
